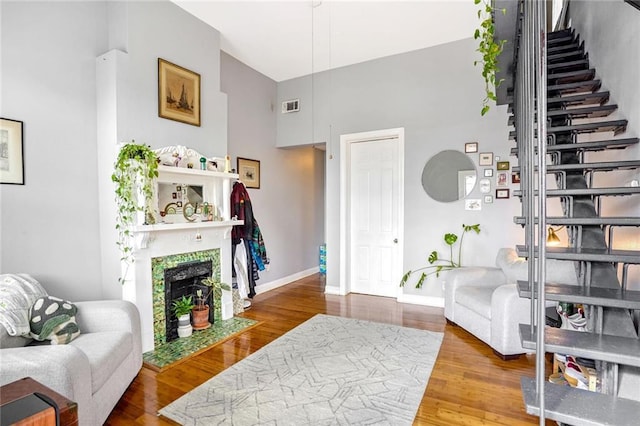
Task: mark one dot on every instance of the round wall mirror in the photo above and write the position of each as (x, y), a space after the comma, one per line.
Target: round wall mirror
(449, 176)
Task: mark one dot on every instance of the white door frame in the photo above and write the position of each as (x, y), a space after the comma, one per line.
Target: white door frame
(345, 197)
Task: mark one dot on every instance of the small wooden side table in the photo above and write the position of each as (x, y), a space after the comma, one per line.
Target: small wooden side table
(20, 388)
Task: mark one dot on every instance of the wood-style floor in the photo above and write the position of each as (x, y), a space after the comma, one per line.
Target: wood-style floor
(469, 385)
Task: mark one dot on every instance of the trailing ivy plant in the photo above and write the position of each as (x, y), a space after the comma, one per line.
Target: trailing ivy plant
(490, 49)
(134, 172)
(437, 264)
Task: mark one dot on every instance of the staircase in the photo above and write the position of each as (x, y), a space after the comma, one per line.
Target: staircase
(579, 128)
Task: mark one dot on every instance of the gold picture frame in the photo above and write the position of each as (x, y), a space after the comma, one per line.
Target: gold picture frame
(11, 152)
(178, 93)
(249, 171)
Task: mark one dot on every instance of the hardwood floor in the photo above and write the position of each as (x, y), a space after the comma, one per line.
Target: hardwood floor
(468, 386)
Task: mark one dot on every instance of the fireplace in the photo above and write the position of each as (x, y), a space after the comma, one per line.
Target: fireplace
(184, 280)
(174, 276)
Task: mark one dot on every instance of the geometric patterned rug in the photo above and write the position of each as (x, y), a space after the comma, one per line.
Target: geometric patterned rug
(327, 371)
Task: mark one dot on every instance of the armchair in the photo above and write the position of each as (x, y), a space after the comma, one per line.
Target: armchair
(94, 369)
(485, 302)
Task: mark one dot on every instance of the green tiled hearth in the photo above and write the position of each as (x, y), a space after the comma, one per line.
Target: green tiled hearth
(166, 354)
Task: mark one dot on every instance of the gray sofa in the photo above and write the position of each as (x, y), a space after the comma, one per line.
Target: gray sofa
(94, 369)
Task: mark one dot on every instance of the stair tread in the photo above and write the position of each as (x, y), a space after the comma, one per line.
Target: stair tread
(595, 166)
(587, 254)
(576, 406)
(615, 126)
(569, 53)
(594, 295)
(555, 49)
(620, 350)
(575, 65)
(585, 112)
(596, 111)
(572, 76)
(588, 146)
(560, 40)
(581, 99)
(577, 86)
(560, 33)
(585, 192)
(585, 221)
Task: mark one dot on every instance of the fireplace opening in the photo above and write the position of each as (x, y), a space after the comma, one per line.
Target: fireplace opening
(184, 280)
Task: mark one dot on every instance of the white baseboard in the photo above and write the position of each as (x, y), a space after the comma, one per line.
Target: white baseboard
(332, 290)
(416, 299)
(262, 288)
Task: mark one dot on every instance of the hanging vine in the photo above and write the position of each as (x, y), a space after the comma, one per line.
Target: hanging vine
(490, 50)
(134, 172)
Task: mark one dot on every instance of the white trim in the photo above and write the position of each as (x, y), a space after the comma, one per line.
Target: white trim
(263, 288)
(416, 299)
(333, 290)
(345, 158)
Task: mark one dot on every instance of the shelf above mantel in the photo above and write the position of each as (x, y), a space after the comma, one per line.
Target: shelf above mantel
(166, 172)
(186, 225)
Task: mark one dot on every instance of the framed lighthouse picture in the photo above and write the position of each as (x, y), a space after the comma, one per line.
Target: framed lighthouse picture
(178, 93)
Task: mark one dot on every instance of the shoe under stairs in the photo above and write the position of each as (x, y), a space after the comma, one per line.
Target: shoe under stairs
(577, 107)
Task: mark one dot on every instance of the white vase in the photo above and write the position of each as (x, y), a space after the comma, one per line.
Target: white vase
(184, 326)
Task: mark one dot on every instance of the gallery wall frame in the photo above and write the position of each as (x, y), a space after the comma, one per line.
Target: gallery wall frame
(502, 193)
(249, 171)
(11, 151)
(485, 159)
(178, 93)
(502, 165)
(471, 147)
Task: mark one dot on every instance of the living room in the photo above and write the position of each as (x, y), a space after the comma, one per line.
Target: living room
(49, 82)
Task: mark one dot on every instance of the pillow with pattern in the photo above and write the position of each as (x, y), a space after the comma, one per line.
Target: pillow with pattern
(53, 319)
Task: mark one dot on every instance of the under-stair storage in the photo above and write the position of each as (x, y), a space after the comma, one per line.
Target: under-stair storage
(577, 120)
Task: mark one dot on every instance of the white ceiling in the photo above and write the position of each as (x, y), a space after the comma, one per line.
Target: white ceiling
(288, 39)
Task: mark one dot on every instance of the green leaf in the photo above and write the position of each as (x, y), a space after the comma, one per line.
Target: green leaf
(421, 280)
(433, 257)
(484, 110)
(450, 239)
(405, 277)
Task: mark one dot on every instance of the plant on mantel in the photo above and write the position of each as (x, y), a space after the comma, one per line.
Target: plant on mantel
(490, 49)
(437, 264)
(134, 172)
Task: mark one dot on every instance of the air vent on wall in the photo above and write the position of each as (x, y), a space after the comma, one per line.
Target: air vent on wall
(292, 105)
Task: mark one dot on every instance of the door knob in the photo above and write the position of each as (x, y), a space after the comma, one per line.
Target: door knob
(395, 240)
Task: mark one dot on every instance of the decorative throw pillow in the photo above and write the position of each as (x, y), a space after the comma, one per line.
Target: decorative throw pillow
(54, 319)
(17, 293)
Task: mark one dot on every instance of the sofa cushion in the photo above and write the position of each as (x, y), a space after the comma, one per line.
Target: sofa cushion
(105, 351)
(476, 299)
(516, 268)
(7, 341)
(17, 293)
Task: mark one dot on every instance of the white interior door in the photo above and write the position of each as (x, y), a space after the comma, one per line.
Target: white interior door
(374, 188)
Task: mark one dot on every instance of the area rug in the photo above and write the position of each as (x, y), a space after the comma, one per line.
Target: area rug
(327, 371)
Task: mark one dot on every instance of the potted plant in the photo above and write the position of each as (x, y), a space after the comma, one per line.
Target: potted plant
(181, 309)
(214, 286)
(489, 49)
(436, 264)
(201, 310)
(134, 172)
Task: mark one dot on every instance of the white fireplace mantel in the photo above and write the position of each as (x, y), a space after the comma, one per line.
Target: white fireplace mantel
(164, 239)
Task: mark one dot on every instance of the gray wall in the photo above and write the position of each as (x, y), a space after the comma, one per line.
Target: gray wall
(436, 95)
(611, 32)
(289, 205)
(49, 226)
